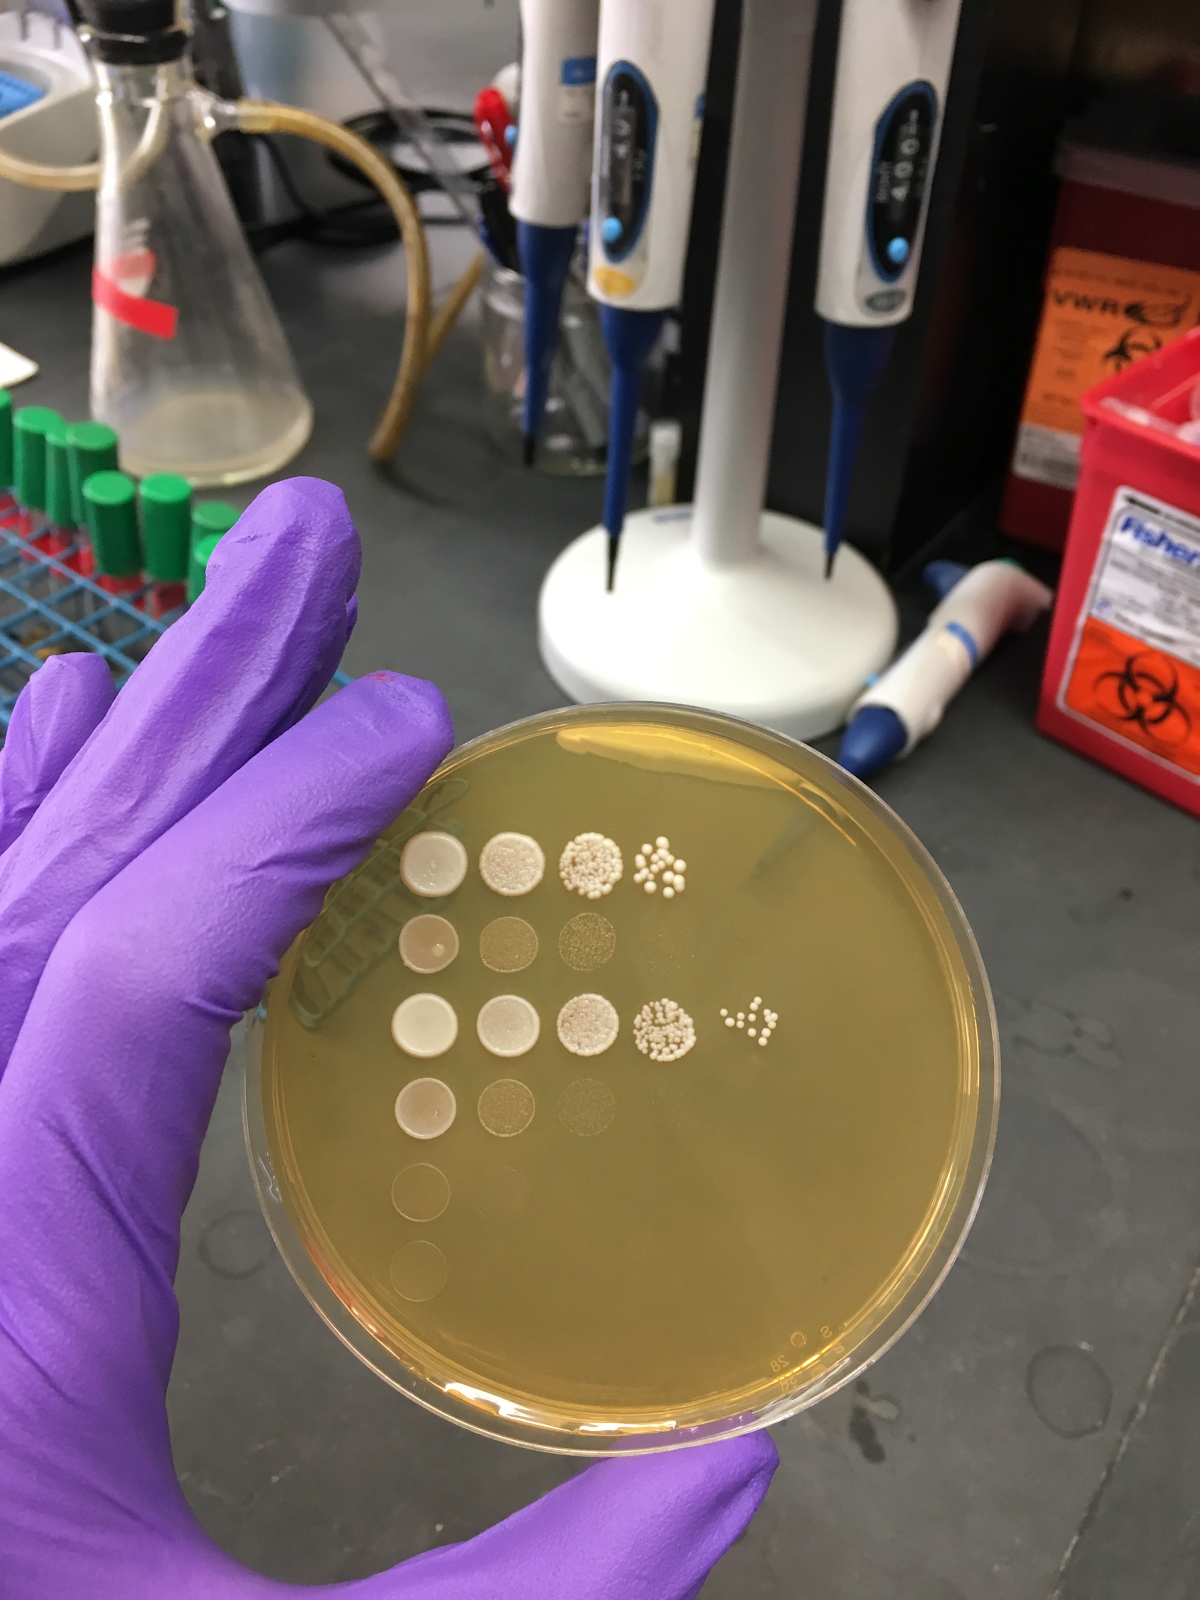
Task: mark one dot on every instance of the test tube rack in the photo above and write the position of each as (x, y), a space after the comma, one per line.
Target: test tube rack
(46, 608)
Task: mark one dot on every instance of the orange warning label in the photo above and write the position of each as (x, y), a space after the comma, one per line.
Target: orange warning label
(1148, 697)
(1134, 667)
(1100, 314)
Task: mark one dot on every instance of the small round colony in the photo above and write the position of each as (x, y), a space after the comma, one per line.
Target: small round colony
(424, 1025)
(653, 861)
(512, 863)
(427, 944)
(508, 944)
(749, 1022)
(588, 941)
(425, 1108)
(433, 864)
(587, 1025)
(506, 1107)
(663, 1031)
(507, 1025)
(591, 865)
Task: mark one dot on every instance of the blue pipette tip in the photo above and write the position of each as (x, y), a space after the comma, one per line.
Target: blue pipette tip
(629, 337)
(854, 359)
(528, 449)
(545, 261)
(873, 739)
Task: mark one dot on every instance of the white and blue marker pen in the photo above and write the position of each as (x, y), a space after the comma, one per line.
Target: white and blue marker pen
(905, 703)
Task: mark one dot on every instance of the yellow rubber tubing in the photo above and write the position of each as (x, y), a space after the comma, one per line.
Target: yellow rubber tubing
(423, 335)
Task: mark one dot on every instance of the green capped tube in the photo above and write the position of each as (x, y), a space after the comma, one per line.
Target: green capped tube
(110, 505)
(6, 441)
(93, 448)
(198, 571)
(211, 520)
(166, 506)
(59, 511)
(29, 453)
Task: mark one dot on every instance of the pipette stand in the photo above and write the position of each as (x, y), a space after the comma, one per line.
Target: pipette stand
(722, 604)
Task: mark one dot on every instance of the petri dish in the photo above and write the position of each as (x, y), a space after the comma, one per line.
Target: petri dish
(717, 1226)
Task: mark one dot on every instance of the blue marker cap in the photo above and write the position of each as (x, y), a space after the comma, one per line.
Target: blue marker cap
(942, 576)
(874, 737)
(897, 251)
(611, 230)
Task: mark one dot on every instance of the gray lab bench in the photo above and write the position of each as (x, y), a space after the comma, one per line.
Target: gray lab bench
(1038, 1431)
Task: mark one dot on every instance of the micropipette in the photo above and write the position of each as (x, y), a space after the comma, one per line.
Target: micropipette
(906, 702)
(550, 174)
(653, 61)
(893, 65)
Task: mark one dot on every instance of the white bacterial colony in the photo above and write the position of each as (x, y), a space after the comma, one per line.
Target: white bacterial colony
(587, 1025)
(591, 865)
(506, 1107)
(749, 1021)
(512, 863)
(507, 1025)
(433, 864)
(654, 861)
(425, 1108)
(428, 943)
(663, 1031)
(424, 1025)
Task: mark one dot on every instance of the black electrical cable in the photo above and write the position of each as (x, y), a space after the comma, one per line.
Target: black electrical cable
(360, 224)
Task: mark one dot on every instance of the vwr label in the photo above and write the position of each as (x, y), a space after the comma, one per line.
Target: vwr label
(1134, 666)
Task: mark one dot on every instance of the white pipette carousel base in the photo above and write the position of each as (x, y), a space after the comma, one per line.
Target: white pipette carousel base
(768, 639)
(723, 604)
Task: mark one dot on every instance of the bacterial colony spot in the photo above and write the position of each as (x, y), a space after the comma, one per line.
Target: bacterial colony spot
(586, 1107)
(508, 1025)
(591, 865)
(418, 1271)
(427, 944)
(506, 1107)
(655, 860)
(754, 1027)
(421, 1192)
(512, 863)
(587, 1025)
(424, 1025)
(588, 941)
(433, 864)
(425, 1108)
(508, 944)
(663, 1031)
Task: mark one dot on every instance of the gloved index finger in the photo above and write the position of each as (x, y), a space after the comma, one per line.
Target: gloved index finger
(249, 657)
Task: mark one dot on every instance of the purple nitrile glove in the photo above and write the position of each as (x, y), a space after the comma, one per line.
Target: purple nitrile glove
(164, 850)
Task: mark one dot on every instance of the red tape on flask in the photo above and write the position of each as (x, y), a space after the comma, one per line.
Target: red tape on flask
(147, 316)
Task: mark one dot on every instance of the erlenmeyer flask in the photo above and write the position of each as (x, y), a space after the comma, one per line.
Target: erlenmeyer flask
(189, 363)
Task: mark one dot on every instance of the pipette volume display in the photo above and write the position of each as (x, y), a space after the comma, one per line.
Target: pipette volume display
(697, 1156)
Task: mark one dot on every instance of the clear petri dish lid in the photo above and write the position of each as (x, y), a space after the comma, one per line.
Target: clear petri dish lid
(723, 1104)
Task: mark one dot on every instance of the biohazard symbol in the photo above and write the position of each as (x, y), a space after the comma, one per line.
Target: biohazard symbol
(1146, 692)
